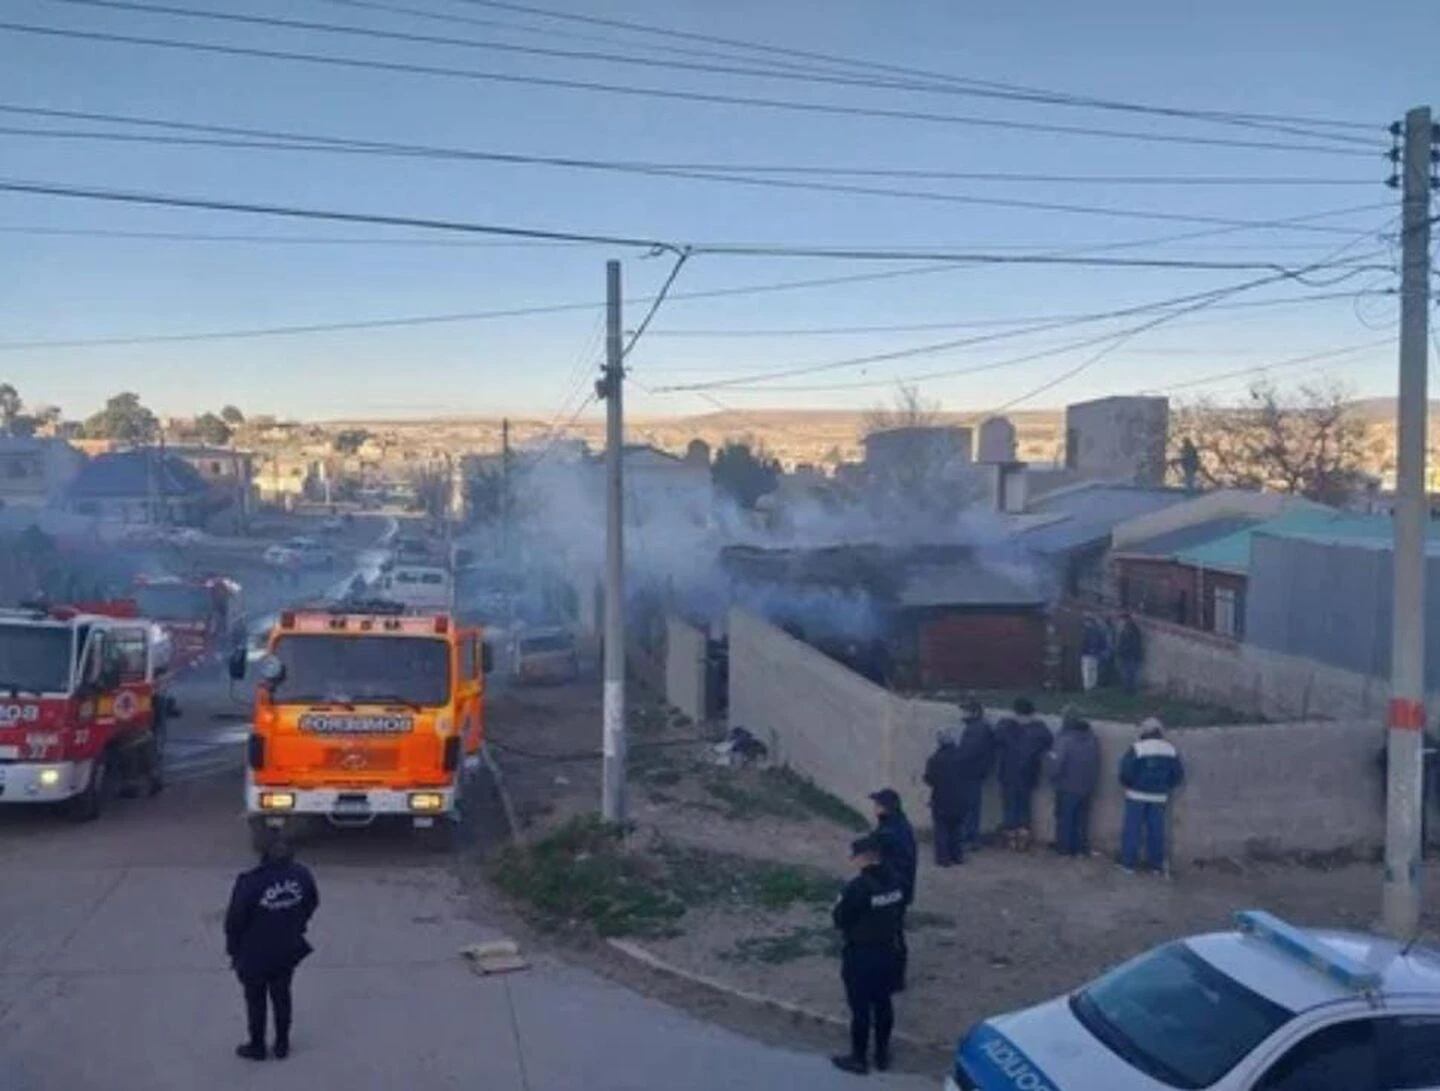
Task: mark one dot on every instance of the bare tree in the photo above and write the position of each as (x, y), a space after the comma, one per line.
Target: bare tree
(1307, 442)
(908, 410)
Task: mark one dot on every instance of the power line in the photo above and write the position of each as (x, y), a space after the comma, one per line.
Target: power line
(303, 141)
(731, 69)
(947, 345)
(93, 193)
(1050, 97)
(210, 204)
(279, 240)
(737, 179)
(1309, 358)
(655, 305)
(916, 327)
(673, 94)
(1088, 342)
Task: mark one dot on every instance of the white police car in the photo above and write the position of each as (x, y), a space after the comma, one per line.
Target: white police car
(1268, 1007)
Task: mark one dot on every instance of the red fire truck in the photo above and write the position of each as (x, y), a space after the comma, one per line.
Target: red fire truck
(197, 612)
(82, 704)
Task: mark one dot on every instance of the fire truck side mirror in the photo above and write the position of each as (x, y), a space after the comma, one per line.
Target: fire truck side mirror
(487, 657)
(238, 663)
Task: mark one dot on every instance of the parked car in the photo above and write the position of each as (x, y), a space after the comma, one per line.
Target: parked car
(310, 552)
(1266, 1007)
(546, 655)
(281, 556)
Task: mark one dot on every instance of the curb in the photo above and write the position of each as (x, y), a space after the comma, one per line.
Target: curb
(506, 803)
(655, 962)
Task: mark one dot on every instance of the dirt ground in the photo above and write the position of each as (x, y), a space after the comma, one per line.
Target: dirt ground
(1001, 932)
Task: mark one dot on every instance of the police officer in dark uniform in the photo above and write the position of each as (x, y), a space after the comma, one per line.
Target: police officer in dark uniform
(265, 939)
(898, 853)
(868, 916)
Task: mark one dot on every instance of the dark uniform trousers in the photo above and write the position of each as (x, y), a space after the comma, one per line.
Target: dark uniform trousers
(870, 975)
(277, 988)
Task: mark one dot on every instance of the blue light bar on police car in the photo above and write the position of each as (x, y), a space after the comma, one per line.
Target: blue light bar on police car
(1299, 944)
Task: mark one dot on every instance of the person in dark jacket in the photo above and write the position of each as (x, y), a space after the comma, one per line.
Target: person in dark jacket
(1094, 648)
(270, 907)
(977, 758)
(1150, 770)
(1021, 742)
(868, 916)
(897, 852)
(945, 774)
(1129, 652)
(1074, 773)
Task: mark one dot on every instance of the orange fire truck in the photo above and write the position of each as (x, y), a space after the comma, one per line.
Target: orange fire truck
(197, 612)
(81, 704)
(363, 711)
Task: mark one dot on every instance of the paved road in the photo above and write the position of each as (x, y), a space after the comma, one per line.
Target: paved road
(112, 974)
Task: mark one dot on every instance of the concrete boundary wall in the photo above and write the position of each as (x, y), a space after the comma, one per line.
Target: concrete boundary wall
(686, 670)
(1200, 666)
(1251, 790)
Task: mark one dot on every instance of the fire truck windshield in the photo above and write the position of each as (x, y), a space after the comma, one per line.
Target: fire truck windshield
(321, 668)
(34, 659)
(173, 602)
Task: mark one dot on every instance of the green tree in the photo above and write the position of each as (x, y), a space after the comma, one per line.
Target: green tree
(350, 440)
(232, 416)
(743, 474)
(211, 430)
(125, 419)
(10, 406)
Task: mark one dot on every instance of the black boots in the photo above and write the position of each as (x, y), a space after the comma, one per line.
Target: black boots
(250, 1051)
(847, 1062)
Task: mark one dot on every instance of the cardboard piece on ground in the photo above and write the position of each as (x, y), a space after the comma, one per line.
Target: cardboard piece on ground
(501, 956)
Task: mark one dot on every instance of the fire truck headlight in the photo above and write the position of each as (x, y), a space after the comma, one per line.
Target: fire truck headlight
(277, 801)
(426, 801)
(49, 778)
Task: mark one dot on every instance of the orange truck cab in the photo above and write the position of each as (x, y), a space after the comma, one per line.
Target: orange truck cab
(362, 714)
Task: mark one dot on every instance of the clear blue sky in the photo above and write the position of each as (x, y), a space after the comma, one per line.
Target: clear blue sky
(1323, 58)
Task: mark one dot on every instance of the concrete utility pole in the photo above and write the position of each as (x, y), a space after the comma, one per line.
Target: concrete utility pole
(505, 487)
(1404, 795)
(613, 790)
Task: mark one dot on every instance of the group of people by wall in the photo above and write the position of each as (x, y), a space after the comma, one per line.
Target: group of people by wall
(1111, 652)
(1019, 750)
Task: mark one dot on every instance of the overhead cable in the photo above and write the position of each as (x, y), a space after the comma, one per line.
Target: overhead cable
(730, 69)
(674, 94)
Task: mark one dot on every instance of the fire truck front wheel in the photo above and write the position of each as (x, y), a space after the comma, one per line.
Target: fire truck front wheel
(86, 806)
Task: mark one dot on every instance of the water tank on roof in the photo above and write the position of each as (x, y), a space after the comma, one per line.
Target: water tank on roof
(997, 440)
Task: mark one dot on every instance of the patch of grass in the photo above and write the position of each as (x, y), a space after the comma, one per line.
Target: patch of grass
(1112, 703)
(702, 877)
(818, 801)
(584, 873)
(924, 918)
(804, 941)
(776, 793)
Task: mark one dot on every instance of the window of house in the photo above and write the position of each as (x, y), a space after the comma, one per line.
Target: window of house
(1226, 617)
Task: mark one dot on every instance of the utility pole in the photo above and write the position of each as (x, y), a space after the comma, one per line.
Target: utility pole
(1404, 792)
(613, 742)
(505, 488)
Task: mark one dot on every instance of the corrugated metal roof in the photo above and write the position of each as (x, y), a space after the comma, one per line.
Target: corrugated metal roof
(1185, 540)
(1088, 513)
(1232, 552)
(968, 583)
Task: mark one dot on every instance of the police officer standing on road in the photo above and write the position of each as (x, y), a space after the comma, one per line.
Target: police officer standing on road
(898, 853)
(868, 916)
(265, 939)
